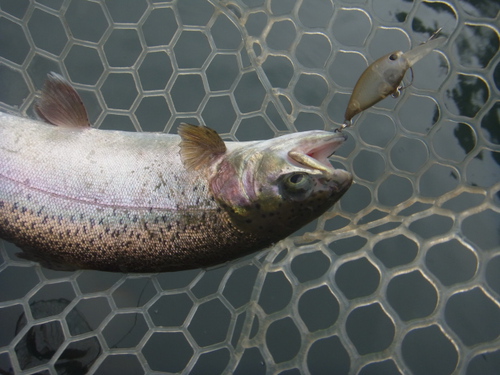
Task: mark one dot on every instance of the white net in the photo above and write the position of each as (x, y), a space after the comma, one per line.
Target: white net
(402, 277)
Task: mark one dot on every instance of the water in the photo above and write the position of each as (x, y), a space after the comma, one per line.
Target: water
(401, 277)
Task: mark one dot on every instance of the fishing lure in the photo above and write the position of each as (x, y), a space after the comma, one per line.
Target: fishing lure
(383, 77)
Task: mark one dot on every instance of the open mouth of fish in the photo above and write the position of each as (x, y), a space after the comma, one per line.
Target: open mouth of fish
(315, 153)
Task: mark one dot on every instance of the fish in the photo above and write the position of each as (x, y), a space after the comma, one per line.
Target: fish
(383, 77)
(76, 197)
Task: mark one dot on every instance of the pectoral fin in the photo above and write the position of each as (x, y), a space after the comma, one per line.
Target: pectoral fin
(61, 105)
(200, 146)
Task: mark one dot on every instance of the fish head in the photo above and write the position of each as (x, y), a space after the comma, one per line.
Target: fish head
(274, 187)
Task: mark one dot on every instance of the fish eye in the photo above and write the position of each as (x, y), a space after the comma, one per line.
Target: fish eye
(393, 57)
(296, 178)
(297, 183)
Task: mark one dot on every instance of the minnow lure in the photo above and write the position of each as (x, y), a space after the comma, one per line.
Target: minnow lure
(75, 197)
(383, 77)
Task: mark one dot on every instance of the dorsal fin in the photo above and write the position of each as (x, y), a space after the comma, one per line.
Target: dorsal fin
(61, 105)
(200, 146)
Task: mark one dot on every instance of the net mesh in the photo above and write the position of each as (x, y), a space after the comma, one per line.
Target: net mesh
(401, 277)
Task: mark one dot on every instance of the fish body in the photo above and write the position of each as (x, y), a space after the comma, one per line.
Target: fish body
(74, 197)
(383, 77)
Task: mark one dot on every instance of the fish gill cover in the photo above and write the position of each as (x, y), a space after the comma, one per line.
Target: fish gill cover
(401, 277)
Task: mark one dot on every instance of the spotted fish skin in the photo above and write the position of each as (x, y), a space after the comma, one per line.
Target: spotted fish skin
(74, 197)
(106, 200)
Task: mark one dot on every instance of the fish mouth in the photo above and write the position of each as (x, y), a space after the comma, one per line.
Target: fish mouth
(344, 181)
(314, 153)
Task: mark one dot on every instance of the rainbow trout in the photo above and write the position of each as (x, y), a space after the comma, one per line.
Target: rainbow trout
(75, 197)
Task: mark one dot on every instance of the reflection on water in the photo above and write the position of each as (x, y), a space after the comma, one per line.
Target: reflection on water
(481, 8)
(490, 124)
(468, 95)
(477, 45)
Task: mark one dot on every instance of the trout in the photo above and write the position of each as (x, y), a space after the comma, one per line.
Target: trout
(75, 197)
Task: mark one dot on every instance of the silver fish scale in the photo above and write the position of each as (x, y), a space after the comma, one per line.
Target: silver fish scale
(401, 278)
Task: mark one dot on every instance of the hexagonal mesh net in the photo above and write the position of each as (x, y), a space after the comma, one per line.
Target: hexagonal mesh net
(401, 277)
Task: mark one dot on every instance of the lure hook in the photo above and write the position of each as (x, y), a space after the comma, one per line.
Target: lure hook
(400, 88)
